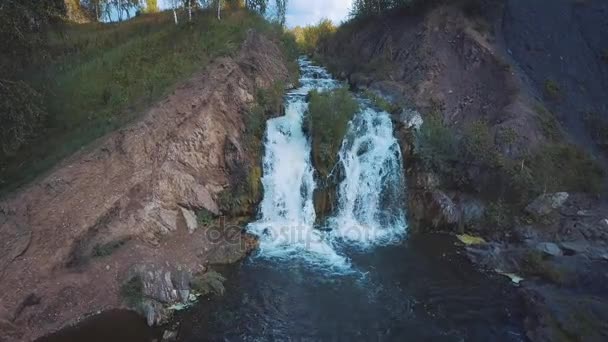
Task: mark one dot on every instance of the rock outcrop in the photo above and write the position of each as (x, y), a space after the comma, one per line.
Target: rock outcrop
(72, 236)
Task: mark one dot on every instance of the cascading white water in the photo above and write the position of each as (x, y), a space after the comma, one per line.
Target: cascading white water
(371, 194)
(370, 198)
(286, 228)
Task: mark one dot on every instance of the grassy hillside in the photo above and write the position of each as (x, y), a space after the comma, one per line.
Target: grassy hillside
(97, 77)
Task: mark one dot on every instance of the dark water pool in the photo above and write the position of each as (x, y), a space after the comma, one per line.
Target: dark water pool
(421, 290)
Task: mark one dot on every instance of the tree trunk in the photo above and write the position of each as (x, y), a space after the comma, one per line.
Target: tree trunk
(175, 15)
(189, 10)
(219, 9)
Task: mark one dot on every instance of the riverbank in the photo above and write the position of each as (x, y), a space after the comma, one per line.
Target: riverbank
(491, 154)
(139, 205)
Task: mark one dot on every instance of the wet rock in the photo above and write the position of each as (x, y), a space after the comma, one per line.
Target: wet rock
(155, 313)
(439, 210)
(547, 204)
(411, 119)
(574, 247)
(190, 219)
(526, 234)
(169, 335)
(165, 285)
(549, 248)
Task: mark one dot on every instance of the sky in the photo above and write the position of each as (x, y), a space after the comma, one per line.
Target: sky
(308, 12)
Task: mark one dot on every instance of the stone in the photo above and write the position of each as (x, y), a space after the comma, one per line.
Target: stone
(443, 210)
(190, 219)
(549, 248)
(169, 335)
(546, 204)
(574, 247)
(163, 284)
(411, 119)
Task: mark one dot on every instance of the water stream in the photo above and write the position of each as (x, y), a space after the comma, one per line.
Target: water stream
(361, 278)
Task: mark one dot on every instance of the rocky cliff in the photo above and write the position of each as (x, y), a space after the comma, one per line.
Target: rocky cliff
(505, 89)
(148, 193)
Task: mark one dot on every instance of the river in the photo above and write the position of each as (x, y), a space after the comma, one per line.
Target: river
(362, 277)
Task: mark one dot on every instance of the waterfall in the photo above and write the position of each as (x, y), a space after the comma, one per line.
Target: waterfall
(286, 227)
(370, 196)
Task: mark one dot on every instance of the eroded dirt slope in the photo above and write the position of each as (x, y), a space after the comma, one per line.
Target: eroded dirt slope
(138, 187)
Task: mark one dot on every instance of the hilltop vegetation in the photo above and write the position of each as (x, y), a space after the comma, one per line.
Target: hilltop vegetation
(81, 81)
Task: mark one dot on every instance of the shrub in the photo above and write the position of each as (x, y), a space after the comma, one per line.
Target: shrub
(106, 249)
(329, 114)
(437, 145)
(132, 292)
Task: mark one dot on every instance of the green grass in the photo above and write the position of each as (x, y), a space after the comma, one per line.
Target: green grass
(96, 78)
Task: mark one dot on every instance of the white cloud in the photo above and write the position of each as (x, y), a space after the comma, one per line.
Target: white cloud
(307, 12)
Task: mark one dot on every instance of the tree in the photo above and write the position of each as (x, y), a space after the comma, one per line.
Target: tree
(152, 6)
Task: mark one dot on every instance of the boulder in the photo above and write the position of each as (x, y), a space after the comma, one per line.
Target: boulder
(546, 204)
(190, 219)
(549, 248)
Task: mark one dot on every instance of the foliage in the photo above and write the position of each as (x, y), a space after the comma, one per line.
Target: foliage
(152, 6)
(204, 217)
(106, 249)
(21, 112)
(210, 282)
(367, 8)
(329, 115)
(436, 144)
(96, 77)
(246, 188)
(310, 37)
(552, 167)
(132, 292)
(548, 123)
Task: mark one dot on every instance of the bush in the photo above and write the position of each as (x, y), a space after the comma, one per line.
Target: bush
(328, 117)
(132, 292)
(106, 249)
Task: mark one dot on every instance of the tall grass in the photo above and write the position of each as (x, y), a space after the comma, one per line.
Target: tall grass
(95, 78)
